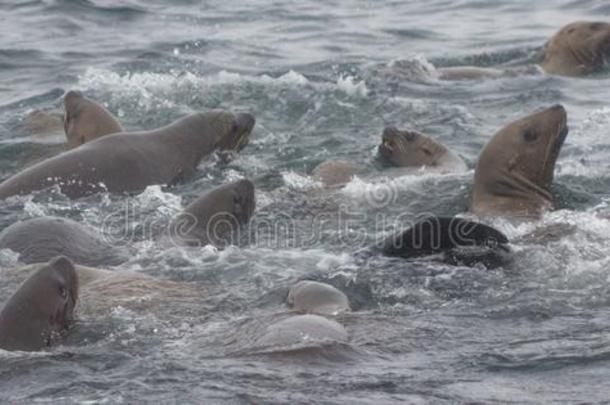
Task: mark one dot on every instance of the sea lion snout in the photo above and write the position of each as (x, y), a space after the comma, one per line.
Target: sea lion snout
(393, 141)
(235, 130)
(245, 199)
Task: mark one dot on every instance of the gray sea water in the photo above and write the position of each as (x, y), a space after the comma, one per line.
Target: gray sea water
(322, 78)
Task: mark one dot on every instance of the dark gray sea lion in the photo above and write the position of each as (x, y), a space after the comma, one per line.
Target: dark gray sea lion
(86, 120)
(40, 239)
(515, 169)
(578, 49)
(450, 240)
(408, 148)
(214, 217)
(336, 173)
(42, 308)
(129, 162)
(317, 298)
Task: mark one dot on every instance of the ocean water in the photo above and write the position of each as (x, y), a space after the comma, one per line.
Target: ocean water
(322, 78)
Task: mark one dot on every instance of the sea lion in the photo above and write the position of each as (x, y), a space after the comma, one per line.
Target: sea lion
(335, 173)
(450, 240)
(214, 216)
(409, 148)
(317, 298)
(86, 120)
(211, 219)
(302, 331)
(578, 49)
(129, 162)
(101, 291)
(515, 169)
(42, 308)
(40, 239)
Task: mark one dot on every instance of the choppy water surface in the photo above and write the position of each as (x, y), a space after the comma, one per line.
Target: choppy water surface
(322, 79)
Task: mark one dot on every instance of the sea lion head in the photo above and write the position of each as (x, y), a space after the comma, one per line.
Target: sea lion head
(86, 120)
(405, 148)
(578, 49)
(42, 309)
(519, 161)
(215, 215)
(232, 130)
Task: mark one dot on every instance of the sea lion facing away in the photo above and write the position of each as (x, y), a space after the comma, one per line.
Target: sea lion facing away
(86, 120)
(128, 162)
(41, 309)
(317, 298)
(450, 240)
(336, 173)
(40, 239)
(578, 49)
(515, 169)
(408, 148)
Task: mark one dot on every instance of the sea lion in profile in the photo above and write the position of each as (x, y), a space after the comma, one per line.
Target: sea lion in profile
(408, 148)
(40, 239)
(129, 162)
(86, 120)
(42, 308)
(214, 216)
(515, 169)
(317, 298)
(450, 240)
(578, 49)
(335, 173)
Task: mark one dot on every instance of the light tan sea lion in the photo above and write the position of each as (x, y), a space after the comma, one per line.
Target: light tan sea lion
(86, 120)
(515, 169)
(41, 122)
(578, 49)
(41, 310)
(129, 162)
(408, 148)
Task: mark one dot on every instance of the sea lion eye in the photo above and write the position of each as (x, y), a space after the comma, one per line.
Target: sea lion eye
(530, 135)
(63, 292)
(427, 151)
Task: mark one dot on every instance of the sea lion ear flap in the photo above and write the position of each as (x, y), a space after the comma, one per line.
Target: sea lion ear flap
(63, 264)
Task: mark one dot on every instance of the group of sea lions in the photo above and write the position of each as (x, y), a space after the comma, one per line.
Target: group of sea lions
(512, 178)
